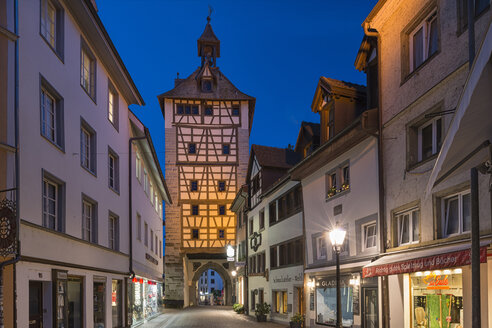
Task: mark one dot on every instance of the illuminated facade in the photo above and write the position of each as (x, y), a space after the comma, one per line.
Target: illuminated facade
(207, 125)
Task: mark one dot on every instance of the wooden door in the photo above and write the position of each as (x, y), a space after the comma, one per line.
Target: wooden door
(35, 304)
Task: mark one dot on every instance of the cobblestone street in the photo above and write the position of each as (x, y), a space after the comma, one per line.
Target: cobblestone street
(206, 316)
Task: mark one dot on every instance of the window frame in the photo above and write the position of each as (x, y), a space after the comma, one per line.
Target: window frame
(436, 144)
(92, 145)
(139, 227)
(444, 220)
(116, 170)
(319, 248)
(91, 89)
(194, 185)
(425, 25)
(60, 202)
(337, 180)
(364, 240)
(58, 34)
(192, 148)
(114, 227)
(45, 88)
(226, 149)
(114, 105)
(91, 220)
(146, 234)
(397, 226)
(221, 186)
(462, 14)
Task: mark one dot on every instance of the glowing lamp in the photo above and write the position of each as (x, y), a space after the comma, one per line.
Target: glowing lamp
(337, 237)
(230, 251)
(234, 273)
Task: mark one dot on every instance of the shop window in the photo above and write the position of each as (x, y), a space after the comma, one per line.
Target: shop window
(437, 296)
(424, 41)
(280, 302)
(456, 214)
(99, 304)
(369, 236)
(326, 302)
(116, 303)
(407, 227)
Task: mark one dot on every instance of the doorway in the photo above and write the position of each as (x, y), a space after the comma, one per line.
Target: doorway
(75, 302)
(370, 307)
(300, 300)
(35, 304)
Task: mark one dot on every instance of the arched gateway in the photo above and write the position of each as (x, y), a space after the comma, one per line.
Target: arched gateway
(223, 273)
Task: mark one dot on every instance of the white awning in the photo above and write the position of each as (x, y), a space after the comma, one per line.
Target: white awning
(472, 122)
(422, 260)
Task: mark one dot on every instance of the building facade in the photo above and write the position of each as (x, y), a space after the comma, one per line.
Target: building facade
(207, 126)
(210, 287)
(240, 281)
(275, 244)
(423, 59)
(76, 220)
(340, 189)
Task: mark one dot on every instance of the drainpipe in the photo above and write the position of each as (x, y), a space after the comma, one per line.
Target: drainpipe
(471, 32)
(17, 175)
(246, 281)
(382, 222)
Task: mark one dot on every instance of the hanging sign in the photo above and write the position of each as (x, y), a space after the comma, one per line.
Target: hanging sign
(8, 228)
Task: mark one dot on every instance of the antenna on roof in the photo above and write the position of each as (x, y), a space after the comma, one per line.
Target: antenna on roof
(210, 11)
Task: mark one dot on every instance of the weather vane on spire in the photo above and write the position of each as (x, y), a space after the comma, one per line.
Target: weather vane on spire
(210, 11)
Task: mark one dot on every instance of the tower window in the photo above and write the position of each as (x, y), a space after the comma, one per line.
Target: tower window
(222, 210)
(194, 210)
(226, 149)
(235, 111)
(221, 185)
(180, 109)
(195, 234)
(209, 111)
(207, 86)
(194, 185)
(187, 109)
(194, 109)
(192, 148)
(221, 234)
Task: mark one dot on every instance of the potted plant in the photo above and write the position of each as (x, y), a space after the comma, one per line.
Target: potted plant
(297, 320)
(332, 191)
(261, 311)
(238, 308)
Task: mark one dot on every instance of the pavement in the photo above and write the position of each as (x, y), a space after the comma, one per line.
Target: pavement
(206, 317)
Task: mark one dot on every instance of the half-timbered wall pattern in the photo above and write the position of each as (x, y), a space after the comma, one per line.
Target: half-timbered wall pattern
(208, 144)
(208, 222)
(207, 179)
(214, 113)
(255, 184)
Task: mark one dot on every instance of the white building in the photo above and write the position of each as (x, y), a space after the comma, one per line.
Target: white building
(275, 243)
(74, 93)
(209, 282)
(340, 189)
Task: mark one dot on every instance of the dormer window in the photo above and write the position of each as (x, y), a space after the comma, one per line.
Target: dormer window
(207, 85)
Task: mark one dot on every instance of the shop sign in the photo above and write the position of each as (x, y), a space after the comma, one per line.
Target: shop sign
(434, 281)
(442, 261)
(241, 263)
(331, 282)
(287, 278)
(151, 259)
(255, 241)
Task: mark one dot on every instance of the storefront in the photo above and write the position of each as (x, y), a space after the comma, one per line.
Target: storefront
(434, 284)
(359, 300)
(147, 299)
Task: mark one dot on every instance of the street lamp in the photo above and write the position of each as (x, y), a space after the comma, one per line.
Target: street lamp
(337, 236)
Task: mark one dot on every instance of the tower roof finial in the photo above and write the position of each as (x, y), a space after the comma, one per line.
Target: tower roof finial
(210, 11)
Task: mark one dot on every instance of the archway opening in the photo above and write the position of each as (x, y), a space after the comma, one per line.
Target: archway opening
(210, 288)
(208, 276)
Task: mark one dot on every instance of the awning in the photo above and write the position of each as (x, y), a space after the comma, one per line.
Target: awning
(424, 260)
(471, 126)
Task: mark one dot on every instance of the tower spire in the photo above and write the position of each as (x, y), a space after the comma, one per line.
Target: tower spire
(208, 43)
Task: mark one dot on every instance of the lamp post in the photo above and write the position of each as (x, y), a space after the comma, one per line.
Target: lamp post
(337, 236)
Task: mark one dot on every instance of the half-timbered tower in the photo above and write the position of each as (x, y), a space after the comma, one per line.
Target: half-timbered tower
(207, 126)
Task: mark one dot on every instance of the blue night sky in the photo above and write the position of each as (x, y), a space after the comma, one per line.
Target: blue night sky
(273, 50)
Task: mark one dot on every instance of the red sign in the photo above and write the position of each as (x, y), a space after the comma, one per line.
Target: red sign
(435, 281)
(436, 262)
